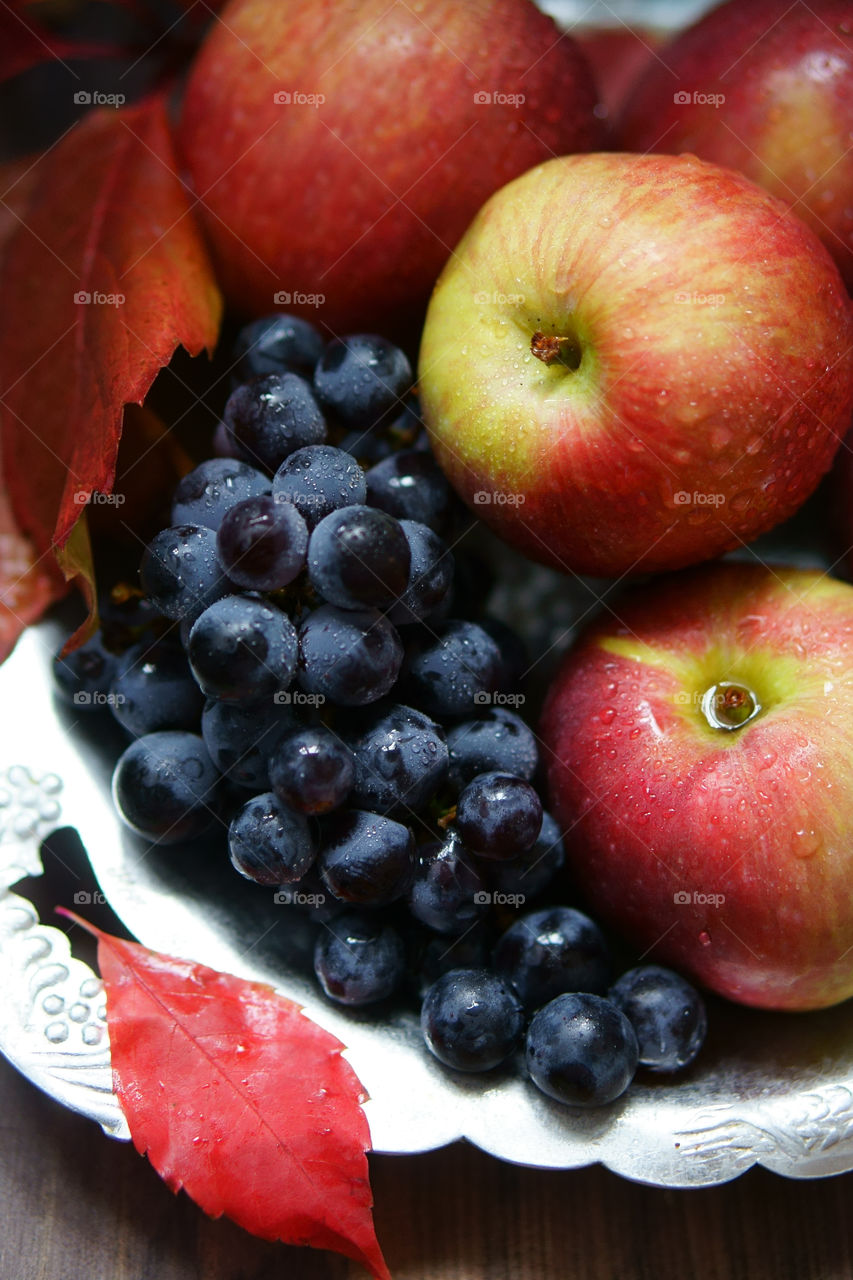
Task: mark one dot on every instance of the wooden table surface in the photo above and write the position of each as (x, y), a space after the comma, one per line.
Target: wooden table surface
(75, 1205)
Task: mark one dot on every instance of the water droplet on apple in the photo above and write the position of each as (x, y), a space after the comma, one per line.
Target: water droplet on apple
(606, 716)
(627, 333)
(690, 414)
(705, 938)
(806, 843)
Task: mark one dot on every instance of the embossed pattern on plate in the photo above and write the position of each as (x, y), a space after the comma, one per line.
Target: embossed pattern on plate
(52, 1017)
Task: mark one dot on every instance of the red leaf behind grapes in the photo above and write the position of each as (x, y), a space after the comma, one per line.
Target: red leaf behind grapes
(240, 1100)
(105, 275)
(28, 582)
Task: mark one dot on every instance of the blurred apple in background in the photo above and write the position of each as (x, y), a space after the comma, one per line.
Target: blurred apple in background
(694, 373)
(617, 55)
(341, 150)
(766, 88)
(699, 741)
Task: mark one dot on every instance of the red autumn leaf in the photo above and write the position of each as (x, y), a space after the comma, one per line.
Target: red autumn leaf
(105, 276)
(28, 583)
(240, 1100)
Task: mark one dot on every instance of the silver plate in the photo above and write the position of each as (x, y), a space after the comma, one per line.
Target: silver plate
(770, 1089)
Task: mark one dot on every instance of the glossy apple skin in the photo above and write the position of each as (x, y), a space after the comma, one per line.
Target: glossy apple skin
(716, 361)
(657, 803)
(786, 73)
(362, 197)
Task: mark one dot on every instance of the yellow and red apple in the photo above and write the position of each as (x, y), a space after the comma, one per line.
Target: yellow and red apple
(699, 742)
(633, 363)
(766, 88)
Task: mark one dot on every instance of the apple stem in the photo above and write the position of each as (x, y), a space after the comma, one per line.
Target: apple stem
(548, 347)
(729, 706)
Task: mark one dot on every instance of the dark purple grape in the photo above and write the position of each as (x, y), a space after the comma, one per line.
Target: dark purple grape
(362, 379)
(181, 573)
(471, 1020)
(411, 486)
(365, 858)
(667, 1014)
(359, 558)
(350, 658)
(430, 576)
(531, 872)
(277, 343)
(447, 893)
(262, 543)
(154, 689)
(242, 650)
(552, 950)
(367, 448)
(312, 770)
(359, 960)
(241, 739)
(499, 740)
(400, 761)
(207, 493)
(448, 673)
(126, 617)
(269, 843)
(319, 480)
(272, 417)
(498, 815)
(84, 677)
(581, 1050)
(164, 787)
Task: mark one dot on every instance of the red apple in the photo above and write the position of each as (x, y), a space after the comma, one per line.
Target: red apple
(766, 88)
(699, 741)
(704, 370)
(341, 150)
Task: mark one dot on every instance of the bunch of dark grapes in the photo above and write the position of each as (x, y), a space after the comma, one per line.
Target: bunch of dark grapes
(308, 675)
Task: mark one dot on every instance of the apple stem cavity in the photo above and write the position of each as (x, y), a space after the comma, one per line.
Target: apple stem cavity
(556, 348)
(728, 706)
